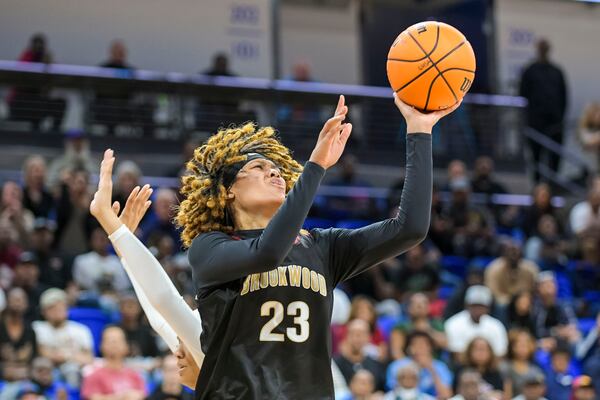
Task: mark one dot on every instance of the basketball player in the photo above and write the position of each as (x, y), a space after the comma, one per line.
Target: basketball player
(264, 287)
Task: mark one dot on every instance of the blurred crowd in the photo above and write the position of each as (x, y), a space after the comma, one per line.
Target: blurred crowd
(499, 302)
(502, 301)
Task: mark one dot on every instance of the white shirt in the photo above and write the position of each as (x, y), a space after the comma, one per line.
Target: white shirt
(70, 338)
(90, 268)
(582, 216)
(461, 330)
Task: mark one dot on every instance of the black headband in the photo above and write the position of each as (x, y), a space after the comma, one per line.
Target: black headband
(231, 171)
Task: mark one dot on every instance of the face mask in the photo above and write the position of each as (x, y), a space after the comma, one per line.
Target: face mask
(407, 394)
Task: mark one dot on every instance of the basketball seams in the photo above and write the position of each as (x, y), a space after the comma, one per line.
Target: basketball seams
(434, 64)
(437, 39)
(441, 75)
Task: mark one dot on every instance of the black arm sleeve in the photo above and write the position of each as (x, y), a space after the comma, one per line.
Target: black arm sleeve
(352, 251)
(216, 258)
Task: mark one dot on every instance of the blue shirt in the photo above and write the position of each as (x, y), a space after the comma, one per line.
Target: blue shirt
(426, 383)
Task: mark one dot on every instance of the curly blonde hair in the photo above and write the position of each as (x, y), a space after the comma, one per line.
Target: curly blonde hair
(205, 196)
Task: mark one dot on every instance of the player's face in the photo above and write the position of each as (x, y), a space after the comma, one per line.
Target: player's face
(258, 185)
(188, 369)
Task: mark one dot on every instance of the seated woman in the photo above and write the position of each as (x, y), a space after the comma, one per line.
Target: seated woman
(435, 377)
(519, 364)
(480, 357)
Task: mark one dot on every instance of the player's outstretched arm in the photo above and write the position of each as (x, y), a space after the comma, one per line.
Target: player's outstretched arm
(219, 259)
(148, 277)
(355, 250)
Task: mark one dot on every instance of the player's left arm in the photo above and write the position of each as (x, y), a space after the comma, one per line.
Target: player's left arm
(354, 250)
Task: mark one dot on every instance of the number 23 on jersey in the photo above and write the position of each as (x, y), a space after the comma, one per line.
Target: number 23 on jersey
(274, 309)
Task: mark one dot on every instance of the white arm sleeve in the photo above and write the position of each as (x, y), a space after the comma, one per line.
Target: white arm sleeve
(157, 322)
(161, 294)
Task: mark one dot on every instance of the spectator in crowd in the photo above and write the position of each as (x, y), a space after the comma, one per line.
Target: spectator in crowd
(407, 387)
(113, 380)
(74, 221)
(300, 115)
(519, 365)
(358, 205)
(33, 103)
(474, 322)
(417, 274)
(483, 177)
(363, 308)
(456, 170)
(117, 56)
(554, 319)
(352, 355)
(542, 205)
(584, 218)
(128, 177)
(480, 357)
(589, 133)
(440, 227)
(68, 344)
(76, 156)
(469, 385)
(9, 251)
(456, 303)
(533, 387)
(559, 375)
(98, 270)
(510, 274)
(419, 319)
(170, 387)
(43, 378)
(547, 248)
(220, 66)
(362, 386)
(520, 313)
(26, 277)
(472, 227)
(583, 389)
(18, 344)
(55, 269)
(543, 85)
(159, 221)
(588, 352)
(140, 339)
(435, 377)
(116, 106)
(484, 182)
(36, 197)
(12, 210)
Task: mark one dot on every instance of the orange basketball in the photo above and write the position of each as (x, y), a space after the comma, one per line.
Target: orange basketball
(431, 66)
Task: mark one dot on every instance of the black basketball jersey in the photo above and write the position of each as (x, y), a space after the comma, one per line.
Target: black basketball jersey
(265, 296)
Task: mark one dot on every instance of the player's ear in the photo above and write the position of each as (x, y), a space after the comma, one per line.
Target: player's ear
(230, 196)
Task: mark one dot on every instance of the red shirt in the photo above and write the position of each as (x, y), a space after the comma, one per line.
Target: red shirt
(108, 381)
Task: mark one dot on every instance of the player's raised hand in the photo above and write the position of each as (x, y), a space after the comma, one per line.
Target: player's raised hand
(100, 207)
(333, 137)
(136, 206)
(418, 122)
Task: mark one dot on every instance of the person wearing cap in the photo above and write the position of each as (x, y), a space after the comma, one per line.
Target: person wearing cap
(534, 387)
(68, 344)
(26, 276)
(553, 318)
(510, 273)
(583, 389)
(475, 321)
(55, 269)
